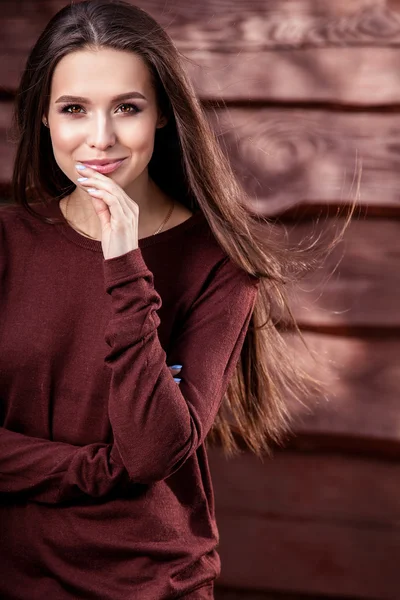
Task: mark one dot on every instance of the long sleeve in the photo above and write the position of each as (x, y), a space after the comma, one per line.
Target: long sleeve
(156, 424)
(54, 472)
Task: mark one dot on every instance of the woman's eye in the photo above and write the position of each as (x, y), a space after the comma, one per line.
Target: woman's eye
(133, 106)
(65, 109)
(70, 109)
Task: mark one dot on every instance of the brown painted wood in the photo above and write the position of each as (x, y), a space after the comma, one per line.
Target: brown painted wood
(345, 76)
(309, 557)
(225, 593)
(321, 524)
(308, 524)
(358, 285)
(361, 390)
(343, 52)
(323, 487)
(260, 25)
(290, 157)
(286, 159)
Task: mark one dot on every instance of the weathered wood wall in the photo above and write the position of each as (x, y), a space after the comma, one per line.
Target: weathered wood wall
(299, 90)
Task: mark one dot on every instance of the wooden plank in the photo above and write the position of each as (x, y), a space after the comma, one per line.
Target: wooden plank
(358, 286)
(318, 487)
(361, 381)
(308, 524)
(309, 557)
(346, 76)
(290, 157)
(259, 25)
(286, 159)
(225, 593)
(294, 51)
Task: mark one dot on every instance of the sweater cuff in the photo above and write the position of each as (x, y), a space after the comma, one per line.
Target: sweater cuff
(126, 267)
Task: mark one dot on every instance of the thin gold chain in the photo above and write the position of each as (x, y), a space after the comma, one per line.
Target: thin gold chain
(163, 224)
(167, 218)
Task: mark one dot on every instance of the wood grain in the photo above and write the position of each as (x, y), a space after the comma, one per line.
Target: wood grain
(357, 287)
(260, 25)
(225, 593)
(298, 51)
(350, 490)
(311, 524)
(309, 557)
(288, 157)
(360, 378)
(358, 77)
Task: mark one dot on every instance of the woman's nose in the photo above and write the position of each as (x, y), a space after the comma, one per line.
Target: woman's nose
(101, 133)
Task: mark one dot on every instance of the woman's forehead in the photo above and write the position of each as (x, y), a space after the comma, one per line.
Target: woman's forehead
(101, 73)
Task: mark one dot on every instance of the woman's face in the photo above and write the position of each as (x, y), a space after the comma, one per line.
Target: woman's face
(93, 124)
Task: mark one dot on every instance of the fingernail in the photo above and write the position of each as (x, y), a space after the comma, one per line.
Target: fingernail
(91, 190)
(82, 178)
(80, 167)
(176, 367)
(177, 379)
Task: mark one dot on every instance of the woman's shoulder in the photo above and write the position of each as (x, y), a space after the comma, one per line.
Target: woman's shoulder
(202, 249)
(9, 210)
(9, 213)
(19, 228)
(191, 246)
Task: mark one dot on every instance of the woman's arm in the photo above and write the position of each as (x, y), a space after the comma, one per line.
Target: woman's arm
(53, 472)
(156, 424)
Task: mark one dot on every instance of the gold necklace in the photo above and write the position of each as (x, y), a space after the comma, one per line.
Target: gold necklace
(163, 224)
(167, 218)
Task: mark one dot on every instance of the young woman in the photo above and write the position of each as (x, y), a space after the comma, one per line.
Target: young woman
(134, 290)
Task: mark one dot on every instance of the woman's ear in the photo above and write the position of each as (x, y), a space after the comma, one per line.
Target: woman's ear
(45, 122)
(162, 121)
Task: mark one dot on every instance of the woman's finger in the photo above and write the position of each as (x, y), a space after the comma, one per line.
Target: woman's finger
(115, 207)
(91, 180)
(175, 369)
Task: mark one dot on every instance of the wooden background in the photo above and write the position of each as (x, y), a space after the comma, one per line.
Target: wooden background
(308, 86)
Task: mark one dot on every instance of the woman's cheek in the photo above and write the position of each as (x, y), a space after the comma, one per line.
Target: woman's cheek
(142, 142)
(64, 142)
(142, 135)
(66, 136)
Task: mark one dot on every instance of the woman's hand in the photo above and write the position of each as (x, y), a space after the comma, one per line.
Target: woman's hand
(118, 214)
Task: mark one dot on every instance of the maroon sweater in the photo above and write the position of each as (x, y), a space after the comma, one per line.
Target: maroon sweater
(104, 483)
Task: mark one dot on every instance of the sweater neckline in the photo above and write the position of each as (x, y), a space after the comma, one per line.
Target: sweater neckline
(95, 245)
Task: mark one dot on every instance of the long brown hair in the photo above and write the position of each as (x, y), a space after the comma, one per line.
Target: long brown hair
(188, 164)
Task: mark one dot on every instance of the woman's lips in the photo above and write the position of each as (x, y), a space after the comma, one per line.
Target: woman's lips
(108, 168)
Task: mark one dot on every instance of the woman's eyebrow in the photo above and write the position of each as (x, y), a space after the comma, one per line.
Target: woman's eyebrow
(126, 96)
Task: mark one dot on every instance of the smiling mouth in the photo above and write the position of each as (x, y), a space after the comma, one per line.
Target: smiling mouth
(106, 168)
